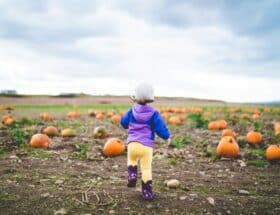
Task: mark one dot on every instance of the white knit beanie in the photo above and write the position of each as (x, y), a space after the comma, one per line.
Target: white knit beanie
(144, 92)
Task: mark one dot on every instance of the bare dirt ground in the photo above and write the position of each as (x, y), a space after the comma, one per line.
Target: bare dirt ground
(66, 179)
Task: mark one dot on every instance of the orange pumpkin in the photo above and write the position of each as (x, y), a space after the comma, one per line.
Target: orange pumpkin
(245, 116)
(2, 107)
(256, 116)
(68, 132)
(5, 117)
(227, 147)
(110, 113)
(178, 110)
(257, 111)
(233, 110)
(273, 152)
(50, 131)
(228, 132)
(182, 117)
(184, 110)
(46, 116)
(100, 116)
(213, 125)
(9, 121)
(73, 114)
(217, 125)
(99, 111)
(197, 110)
(113, 147)
(266, 110)
(121, 112)
(165, 116)
(174, 120)
(277, 128)
(254, 137)
(222, 124)
(169, 109)
(40, 141)
(116, 118)
(172, 109)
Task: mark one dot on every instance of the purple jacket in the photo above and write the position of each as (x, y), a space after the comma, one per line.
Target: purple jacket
(142, 122)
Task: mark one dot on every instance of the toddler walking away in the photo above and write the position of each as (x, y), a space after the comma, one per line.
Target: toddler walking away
(143, 122)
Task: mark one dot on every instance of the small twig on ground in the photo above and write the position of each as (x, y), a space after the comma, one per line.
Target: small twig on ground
(107, 194)
(97, 197)
(85, 197)
(88, 189)
(77, 200)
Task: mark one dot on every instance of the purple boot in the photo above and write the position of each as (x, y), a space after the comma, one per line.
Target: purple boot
(132, 176)
(147, 191)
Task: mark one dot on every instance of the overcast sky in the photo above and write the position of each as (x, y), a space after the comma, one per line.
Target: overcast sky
(219, 49)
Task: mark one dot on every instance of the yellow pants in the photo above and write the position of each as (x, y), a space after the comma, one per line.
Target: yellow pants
(138, 152)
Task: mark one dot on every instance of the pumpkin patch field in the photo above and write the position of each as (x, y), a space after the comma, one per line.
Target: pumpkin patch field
(71, 159)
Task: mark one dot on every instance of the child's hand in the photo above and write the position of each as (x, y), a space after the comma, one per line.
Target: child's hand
(168, 142)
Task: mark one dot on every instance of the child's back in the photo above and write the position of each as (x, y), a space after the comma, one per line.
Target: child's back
(142, 122)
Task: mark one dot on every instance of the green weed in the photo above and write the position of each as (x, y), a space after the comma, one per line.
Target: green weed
(82, 150)
(180, 142)
(257, 152)
(2, 149)
(172, 161)
(5, 197)
(17, 135)
(257, 126)
(25, 121)
(38, 153)
(198, 121)
(258, 163)
(277, 138)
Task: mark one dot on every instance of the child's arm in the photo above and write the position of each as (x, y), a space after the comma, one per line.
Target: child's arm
(125, 119)
(160, 127)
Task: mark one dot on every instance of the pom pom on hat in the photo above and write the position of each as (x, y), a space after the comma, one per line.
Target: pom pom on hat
(144, 92)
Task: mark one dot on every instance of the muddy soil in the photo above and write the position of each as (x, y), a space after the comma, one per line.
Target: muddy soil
(63, 180)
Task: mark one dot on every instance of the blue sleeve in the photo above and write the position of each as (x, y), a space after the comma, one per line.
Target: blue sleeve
(125, 119)
(159, 126)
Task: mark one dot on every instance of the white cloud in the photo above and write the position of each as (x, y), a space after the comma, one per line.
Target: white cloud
(198, 61)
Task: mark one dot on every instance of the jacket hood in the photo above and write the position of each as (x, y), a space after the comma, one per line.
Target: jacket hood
(142, 113)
